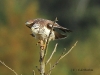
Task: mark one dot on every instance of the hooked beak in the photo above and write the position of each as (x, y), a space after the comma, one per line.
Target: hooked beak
(27, 24)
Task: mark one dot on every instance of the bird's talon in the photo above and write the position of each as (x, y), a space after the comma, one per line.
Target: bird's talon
(42, 47)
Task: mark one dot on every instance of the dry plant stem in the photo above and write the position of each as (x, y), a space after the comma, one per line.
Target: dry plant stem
(69, 50)
(49, 37)
(62, 56)
(52, 54)
(42, 61)
(8, 67)
(33, 72)
(50, 68)
(43, 52)
(38, 68)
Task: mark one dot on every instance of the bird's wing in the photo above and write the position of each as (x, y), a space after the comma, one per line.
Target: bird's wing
(59, 35)
(56, 25)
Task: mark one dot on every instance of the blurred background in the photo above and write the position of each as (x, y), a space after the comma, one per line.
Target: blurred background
(19, 51)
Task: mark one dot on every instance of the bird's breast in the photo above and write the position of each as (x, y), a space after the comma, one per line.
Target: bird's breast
(42, 33)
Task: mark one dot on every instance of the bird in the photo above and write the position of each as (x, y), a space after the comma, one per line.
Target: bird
(41, 30)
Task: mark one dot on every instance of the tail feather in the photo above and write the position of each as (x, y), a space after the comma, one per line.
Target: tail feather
(65, 29)
(58, 35)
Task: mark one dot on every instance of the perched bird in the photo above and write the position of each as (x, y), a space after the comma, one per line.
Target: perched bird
(41, 29)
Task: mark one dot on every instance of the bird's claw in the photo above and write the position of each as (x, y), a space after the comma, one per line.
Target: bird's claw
(42, 45)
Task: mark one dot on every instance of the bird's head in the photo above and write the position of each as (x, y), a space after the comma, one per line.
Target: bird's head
(29, 23)
(33, 25)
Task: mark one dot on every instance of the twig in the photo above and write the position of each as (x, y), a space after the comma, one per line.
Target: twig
(52, 54)
(33, 72)
(50, 68)
(38, 68)
(69, 51)
(8, 67)
(42, 61)
(43, 52)
(49, 38)
(62, 56)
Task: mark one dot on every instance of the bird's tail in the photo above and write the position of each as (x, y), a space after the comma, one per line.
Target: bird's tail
(59, 36)
(64, 29)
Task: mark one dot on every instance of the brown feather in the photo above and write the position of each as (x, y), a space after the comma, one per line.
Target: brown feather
(59, 36)
(57, 26)
(65, 29)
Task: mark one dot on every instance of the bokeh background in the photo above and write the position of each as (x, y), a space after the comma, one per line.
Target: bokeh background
(19, 51)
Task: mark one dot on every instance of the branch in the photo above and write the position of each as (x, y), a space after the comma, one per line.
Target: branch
(38, 68)
(62, 56)
(42, 61)
(50, 68)
(43, 52)
(49, 37)
(33, 72)
(67, 52)
(8, 67)
(52, 53)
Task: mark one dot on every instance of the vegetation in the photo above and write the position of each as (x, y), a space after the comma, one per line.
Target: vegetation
(19, 51)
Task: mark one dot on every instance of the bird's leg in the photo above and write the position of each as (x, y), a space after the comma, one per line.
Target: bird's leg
(42, 44)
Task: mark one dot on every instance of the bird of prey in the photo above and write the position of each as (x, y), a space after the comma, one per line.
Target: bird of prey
(41, 29)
